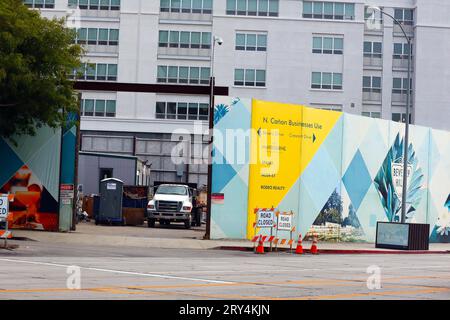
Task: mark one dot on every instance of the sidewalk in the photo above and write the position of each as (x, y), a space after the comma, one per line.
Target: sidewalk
(164, 238)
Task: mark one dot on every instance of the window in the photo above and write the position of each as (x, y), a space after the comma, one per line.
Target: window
(328, 10)
(194, 75)
(94, 36)
(113, 37)
(371, 84)
(112, 72)
(88, 107)
(251, 41)
(326, 80)
(328, 45)
(250, 77)
(183, 74)
(163, 38)
(262, 8)
(94, 4)
(98, 108)
(186, 6)
(184, 39)
(371, 114)
(92, 71)
(48, 4)
(400, 85)
(204, 75)
(103, 35)
(372, 49)
(182, 110)
(160, 110)
(401, 51)
(206, 40)
(174, 38)
(110, 108)
(400, 117)
(172, 74)
(329, 107)
(404, 16)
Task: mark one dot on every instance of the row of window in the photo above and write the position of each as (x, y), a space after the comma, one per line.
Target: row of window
(186, 6)
(326, 80)
(182, 110)
(92, 71)
(373, 84)
(374, 49)
(176, 74)
(250, 77)
(98, 108)
(95, 36)
(184, 39)
(251, 42)
(253, 8)
(398, 117)
(40, 3)
(328, 45)
(95, 4)
(328, 10)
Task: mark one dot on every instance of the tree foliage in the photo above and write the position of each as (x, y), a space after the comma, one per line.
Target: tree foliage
(36, 54)
(331, 211)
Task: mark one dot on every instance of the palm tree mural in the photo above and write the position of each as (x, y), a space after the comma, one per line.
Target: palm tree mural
(384, 183)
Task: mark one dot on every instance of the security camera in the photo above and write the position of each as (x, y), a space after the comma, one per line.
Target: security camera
(219, 40)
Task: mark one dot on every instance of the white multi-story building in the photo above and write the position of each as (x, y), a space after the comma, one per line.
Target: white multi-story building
(318, 53)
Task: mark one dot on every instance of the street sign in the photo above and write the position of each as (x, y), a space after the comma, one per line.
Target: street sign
(397, 177)
(284, 222)
(265, 218)
(4, 206)
(66, 191)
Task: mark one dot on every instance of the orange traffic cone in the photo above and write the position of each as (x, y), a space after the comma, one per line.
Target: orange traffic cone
(260, 247)
(313, 249)
(299, 249)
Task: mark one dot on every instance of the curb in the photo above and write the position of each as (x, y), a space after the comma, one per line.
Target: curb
(339, 251)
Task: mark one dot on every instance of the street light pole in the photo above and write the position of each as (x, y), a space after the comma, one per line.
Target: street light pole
(211, 139)
(408, 97)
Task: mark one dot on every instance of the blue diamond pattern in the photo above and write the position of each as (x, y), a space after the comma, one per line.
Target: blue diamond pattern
(222, 173)
(357, 180)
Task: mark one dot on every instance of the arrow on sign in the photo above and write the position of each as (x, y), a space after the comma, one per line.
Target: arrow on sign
(314, 137)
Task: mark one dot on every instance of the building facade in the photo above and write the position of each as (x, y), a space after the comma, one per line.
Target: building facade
(319, 53)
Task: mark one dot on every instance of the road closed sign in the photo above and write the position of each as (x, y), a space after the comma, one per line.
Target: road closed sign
(284, 222)
(265, 219)
(4, 202)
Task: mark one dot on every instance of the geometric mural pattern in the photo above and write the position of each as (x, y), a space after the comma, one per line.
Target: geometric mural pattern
(339, 187)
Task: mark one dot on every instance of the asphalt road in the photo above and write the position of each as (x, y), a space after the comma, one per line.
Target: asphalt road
(39, 270)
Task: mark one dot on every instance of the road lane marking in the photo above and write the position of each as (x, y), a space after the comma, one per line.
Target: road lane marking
(322, 297)
(118, 271)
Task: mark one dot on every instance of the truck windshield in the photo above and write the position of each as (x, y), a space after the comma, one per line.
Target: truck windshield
(178, 190)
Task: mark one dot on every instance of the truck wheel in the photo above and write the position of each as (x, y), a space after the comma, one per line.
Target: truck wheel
(151, 223)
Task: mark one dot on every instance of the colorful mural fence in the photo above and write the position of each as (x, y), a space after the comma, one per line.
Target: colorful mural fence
(33, 168)
(339, 173)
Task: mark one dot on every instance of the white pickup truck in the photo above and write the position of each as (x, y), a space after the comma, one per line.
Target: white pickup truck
(172, 203)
